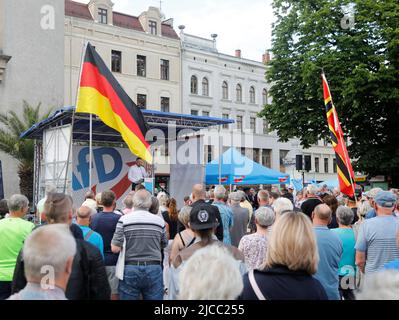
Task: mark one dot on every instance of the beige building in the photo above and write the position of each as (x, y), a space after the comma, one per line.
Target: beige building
(143, 52)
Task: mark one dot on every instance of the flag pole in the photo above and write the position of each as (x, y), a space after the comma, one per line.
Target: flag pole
(342, 141)
(85, 43)
(90, 150)
(220, 160)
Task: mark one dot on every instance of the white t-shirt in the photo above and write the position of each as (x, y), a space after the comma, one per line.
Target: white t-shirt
(136, 173)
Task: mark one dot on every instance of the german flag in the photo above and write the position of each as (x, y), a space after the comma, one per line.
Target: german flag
(101, 94)
(345, 172)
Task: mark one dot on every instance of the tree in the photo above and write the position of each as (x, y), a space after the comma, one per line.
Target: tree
(361, 63)
(22, 150)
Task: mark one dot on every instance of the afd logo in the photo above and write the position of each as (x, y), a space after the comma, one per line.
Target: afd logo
(108, 165)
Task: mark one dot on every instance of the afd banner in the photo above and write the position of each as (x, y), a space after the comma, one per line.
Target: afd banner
(110, 172)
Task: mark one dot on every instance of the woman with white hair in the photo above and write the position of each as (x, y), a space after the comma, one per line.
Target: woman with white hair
(254, 246)
(347, 265)
(282, 205)
(197, 278)
(292, 259)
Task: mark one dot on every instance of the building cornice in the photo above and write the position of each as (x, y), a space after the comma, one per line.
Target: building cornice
(3, 64)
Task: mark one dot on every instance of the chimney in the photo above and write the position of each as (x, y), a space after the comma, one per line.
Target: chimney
(214, 36)
(266, 57)
(238, 53)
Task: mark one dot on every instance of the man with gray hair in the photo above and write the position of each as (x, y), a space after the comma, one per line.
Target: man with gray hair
(330, 251)
(240, 218)
(312, 200)
(370, 195)
(141, 235)
(48, 254)
(13, 231)
(225, 212)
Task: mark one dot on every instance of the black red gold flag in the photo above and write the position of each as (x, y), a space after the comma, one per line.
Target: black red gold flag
(101, 94)
(344, 166)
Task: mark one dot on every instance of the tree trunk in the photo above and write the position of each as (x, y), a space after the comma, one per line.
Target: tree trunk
(25, 173)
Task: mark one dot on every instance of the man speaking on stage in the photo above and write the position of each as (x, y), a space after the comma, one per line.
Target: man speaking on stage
(137, 173)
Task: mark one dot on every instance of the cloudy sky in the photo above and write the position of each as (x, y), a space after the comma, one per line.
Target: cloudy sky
(244, 25)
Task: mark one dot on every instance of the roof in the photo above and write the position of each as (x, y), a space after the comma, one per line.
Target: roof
(122, 20)
(103, 133)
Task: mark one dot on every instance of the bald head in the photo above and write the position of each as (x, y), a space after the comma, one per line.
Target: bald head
(84, 212)
(322, 214)
(199, 192)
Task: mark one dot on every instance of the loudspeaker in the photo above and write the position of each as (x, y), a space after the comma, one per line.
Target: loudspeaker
(298, 162)
(308, 163)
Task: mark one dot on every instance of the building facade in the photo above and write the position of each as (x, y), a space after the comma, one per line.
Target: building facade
(230, 86)
(31, 64)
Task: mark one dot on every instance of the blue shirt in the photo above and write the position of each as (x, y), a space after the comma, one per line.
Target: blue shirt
(95, 238)
(370, 214)
(330, 252)
(105, 224)
(392, 265)
(347, 265)
(227, 220)
(377, 238)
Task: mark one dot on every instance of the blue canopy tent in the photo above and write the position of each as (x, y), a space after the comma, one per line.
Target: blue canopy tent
(236, 169)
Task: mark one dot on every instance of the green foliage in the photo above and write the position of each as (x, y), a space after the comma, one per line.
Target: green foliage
(12, 126)
(361, 65)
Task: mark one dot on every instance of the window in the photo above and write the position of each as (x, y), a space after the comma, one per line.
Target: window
(205, 113)
(208, 153)
(265, 126)
(239, 93)
(283, 155)
(256, 155)
(165, 104)
(205, 87)
(141, 66)
(103, 15)
(335, 165)
(264, 96)
(225, 116)
(142, 101)
(316, 164)
(266, 157)
(252, 124)
(326, 165)
(225, 90)
(252, 95)
(239, 123)
(194, 112)
(194, 85)
(164, 69)
(116, 61)
(153, 27)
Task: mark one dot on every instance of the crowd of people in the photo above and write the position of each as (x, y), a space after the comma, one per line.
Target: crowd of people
(248, 244)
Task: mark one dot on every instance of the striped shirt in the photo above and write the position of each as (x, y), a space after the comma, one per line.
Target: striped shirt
(145, 235)
(377, 238)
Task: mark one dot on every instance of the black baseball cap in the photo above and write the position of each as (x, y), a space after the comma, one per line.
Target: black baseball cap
(203, 216)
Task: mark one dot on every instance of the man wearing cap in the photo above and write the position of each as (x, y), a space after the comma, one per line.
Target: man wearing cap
(376, 242)
(203, 222)
(198, 200)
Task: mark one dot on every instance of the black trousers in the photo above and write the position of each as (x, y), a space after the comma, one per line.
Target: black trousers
(5, 290)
